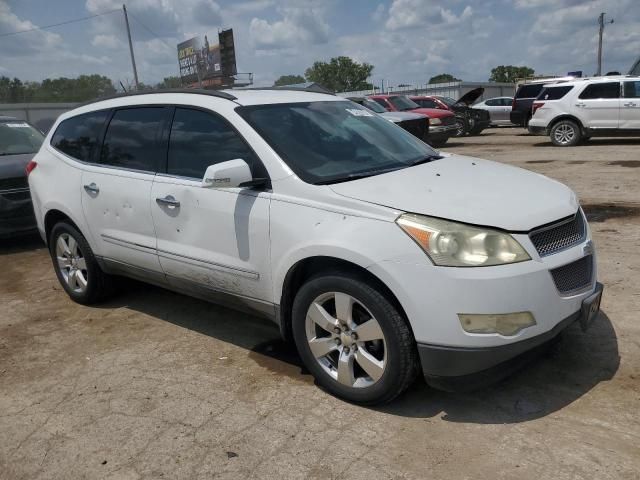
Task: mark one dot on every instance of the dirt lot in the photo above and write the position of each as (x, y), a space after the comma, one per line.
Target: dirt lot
(156, 385)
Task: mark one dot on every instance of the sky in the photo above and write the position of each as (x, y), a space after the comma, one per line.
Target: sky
(407, 41)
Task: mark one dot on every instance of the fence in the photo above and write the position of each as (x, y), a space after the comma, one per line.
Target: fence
(41, 115)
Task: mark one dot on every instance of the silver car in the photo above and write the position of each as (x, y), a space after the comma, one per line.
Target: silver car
(499, 109)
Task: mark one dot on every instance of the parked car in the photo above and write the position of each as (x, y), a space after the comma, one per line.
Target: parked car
(441, 123)
(499, 109)
(526, 93)
(469, 121)
(575, 111)
(378, 256)
(19, 141)
(414, 123)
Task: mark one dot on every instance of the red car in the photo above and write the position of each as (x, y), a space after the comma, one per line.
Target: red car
(442, 123)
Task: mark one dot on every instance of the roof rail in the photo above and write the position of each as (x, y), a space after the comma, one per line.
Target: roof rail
(310, 88)
(196, 91)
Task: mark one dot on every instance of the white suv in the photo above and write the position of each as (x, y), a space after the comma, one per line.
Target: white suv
(577, 110)
(378, 256)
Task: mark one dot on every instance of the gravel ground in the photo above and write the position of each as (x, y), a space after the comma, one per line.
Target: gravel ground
(157, 385)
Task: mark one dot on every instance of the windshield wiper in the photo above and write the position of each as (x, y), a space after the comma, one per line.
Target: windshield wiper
(356, 176)
(426, 159)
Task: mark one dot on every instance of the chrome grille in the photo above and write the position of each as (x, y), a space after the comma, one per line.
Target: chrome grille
(574, 276)
(564, 234)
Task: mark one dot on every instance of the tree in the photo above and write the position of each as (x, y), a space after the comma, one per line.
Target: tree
(288, 80)
(443, 78)
(510, 73)
(340, 74)
(169, 82)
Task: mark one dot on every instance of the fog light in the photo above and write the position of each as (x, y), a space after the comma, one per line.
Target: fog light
(506, 324)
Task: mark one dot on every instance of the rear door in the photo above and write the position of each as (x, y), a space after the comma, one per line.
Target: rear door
(116, 191)
(630, 108)
(598, 105)
(208, 238)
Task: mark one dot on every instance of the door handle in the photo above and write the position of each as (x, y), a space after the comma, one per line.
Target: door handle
(630, 104)
(92, 189)
(169, 201)
(580, 104)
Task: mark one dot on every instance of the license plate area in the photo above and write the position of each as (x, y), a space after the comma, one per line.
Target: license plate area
(591, 307)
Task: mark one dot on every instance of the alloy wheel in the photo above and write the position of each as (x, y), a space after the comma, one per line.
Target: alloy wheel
(71, 263)
(346, 340)
(564, 134)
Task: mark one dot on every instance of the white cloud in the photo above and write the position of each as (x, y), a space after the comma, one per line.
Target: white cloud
(378, 13)
(106, 41)
(299, 25)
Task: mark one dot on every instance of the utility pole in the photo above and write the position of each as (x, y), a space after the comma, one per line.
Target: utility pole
(601, 22)
(133, 59)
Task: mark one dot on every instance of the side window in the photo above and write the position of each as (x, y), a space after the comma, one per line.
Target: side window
(507, 102)
(493, 102)
(381, 101)
(428, 103)
(529, 91)
(554, 93)
(632, 89)
(132, 139)
(601, 90)
(199, 139)
(78, 136)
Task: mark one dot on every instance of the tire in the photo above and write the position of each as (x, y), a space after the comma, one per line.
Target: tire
(565, 133)
(461, 128)
(83, 279)
(389, 356)
(476, 131)
(440, 142)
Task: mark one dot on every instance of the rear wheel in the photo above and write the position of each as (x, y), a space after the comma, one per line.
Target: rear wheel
(352, 339)
(76, 266)
(565, 133)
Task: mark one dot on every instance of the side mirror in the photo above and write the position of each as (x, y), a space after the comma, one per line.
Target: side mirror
(229, 174)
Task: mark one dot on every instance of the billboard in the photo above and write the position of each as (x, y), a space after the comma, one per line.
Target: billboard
(205, 64)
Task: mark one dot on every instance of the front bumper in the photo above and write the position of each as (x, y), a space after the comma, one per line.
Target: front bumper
(441, 132)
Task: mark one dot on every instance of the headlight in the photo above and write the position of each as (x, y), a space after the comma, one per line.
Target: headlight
(435, 121)
(453, 244)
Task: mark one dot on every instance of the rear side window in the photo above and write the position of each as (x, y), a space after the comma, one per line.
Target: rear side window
(632, 89)
(494, 102)
(529, 91)
(601, 90)
(199, 139)
(554, 93)
(133, 139)
(78, 136)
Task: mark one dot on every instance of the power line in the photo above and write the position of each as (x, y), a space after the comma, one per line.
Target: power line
(58, 24)
(150, 31)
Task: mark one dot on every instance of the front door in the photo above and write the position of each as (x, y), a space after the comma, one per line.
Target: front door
(598, 105)
(116, 191)
(207, 238)
(630, 108)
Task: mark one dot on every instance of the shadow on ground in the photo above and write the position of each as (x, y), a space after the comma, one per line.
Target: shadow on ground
(562, 373)
(20, 244)
(594, 142)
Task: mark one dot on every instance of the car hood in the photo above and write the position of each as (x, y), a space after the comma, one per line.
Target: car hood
(432, 112)
(397, 117)
(12, 166)
(470, 97)
(469, 190)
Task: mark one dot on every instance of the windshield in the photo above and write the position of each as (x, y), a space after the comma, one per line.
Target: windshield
(328, 142)
(448, 100)
(373, 106)
(403, 103)
(18, 137)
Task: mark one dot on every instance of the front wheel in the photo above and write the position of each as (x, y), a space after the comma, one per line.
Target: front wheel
(565, 133)
(461, 127)
(353, 339)
(76, 266)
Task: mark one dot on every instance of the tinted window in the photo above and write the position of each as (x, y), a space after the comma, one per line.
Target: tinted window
(632, 89)
(78, 136)
(132, 139)
(18, 137)
(601, 90)
(426, 103)
(529, 91)
(494, 102)
(199, 139)
(381, 101)
(507, 102)
(403, 103)
(554, 93)
(325, 142)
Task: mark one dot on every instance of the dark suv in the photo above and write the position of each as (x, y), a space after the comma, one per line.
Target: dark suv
(525, 95)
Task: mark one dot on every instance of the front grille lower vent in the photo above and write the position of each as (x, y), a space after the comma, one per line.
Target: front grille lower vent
(559, 236)
(574, 276)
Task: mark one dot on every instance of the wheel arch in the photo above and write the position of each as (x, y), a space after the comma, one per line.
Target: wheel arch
(565, 116)
(308, 267)
(54, 216)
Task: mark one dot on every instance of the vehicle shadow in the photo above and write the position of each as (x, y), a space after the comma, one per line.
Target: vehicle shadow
(22, 243)
(559, 375)
(595, 142)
